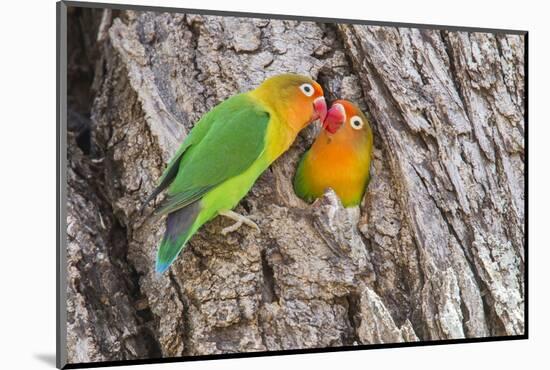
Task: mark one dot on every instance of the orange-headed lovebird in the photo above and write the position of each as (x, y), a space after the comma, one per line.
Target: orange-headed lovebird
(339, 158)
(226, 151)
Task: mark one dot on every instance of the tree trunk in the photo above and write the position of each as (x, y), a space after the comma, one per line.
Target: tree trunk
(434, 252)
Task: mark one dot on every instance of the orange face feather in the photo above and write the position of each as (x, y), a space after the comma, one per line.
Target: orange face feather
(298, 100)
(339, 158)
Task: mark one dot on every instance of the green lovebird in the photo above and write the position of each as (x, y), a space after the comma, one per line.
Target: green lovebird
(226, 151)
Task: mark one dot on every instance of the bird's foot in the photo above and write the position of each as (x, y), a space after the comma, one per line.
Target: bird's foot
(240, 219)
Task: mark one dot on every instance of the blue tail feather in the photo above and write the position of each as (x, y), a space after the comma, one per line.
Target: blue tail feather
(179, 227)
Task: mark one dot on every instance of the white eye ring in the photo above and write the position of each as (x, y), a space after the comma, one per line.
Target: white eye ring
(356, 122)
(307, 89)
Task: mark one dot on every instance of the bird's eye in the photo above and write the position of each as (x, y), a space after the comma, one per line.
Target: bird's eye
(307, 89)
(356, 122)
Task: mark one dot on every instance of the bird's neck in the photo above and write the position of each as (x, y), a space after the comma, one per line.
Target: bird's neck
(339, 151)
(281, 135)
(286, 114)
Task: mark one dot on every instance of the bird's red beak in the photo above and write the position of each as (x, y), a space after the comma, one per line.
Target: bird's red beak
(320, 108)
(335, 118)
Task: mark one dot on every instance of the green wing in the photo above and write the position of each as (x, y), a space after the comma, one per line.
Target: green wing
(301, 187)
(235, 138)
(194, 137)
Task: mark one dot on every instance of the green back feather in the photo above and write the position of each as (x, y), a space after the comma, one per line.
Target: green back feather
(233, 139)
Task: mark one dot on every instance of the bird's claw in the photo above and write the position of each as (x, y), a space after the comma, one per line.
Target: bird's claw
(240, 219)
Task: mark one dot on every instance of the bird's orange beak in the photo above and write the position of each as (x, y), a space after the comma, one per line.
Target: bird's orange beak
(320, 109)
(335, 118)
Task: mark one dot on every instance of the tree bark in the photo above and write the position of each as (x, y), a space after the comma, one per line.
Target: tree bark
(436, 250)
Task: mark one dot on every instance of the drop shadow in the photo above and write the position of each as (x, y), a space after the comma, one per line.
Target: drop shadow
(46, 358)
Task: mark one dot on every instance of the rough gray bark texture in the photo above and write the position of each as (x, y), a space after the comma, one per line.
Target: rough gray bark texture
(434, 252)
